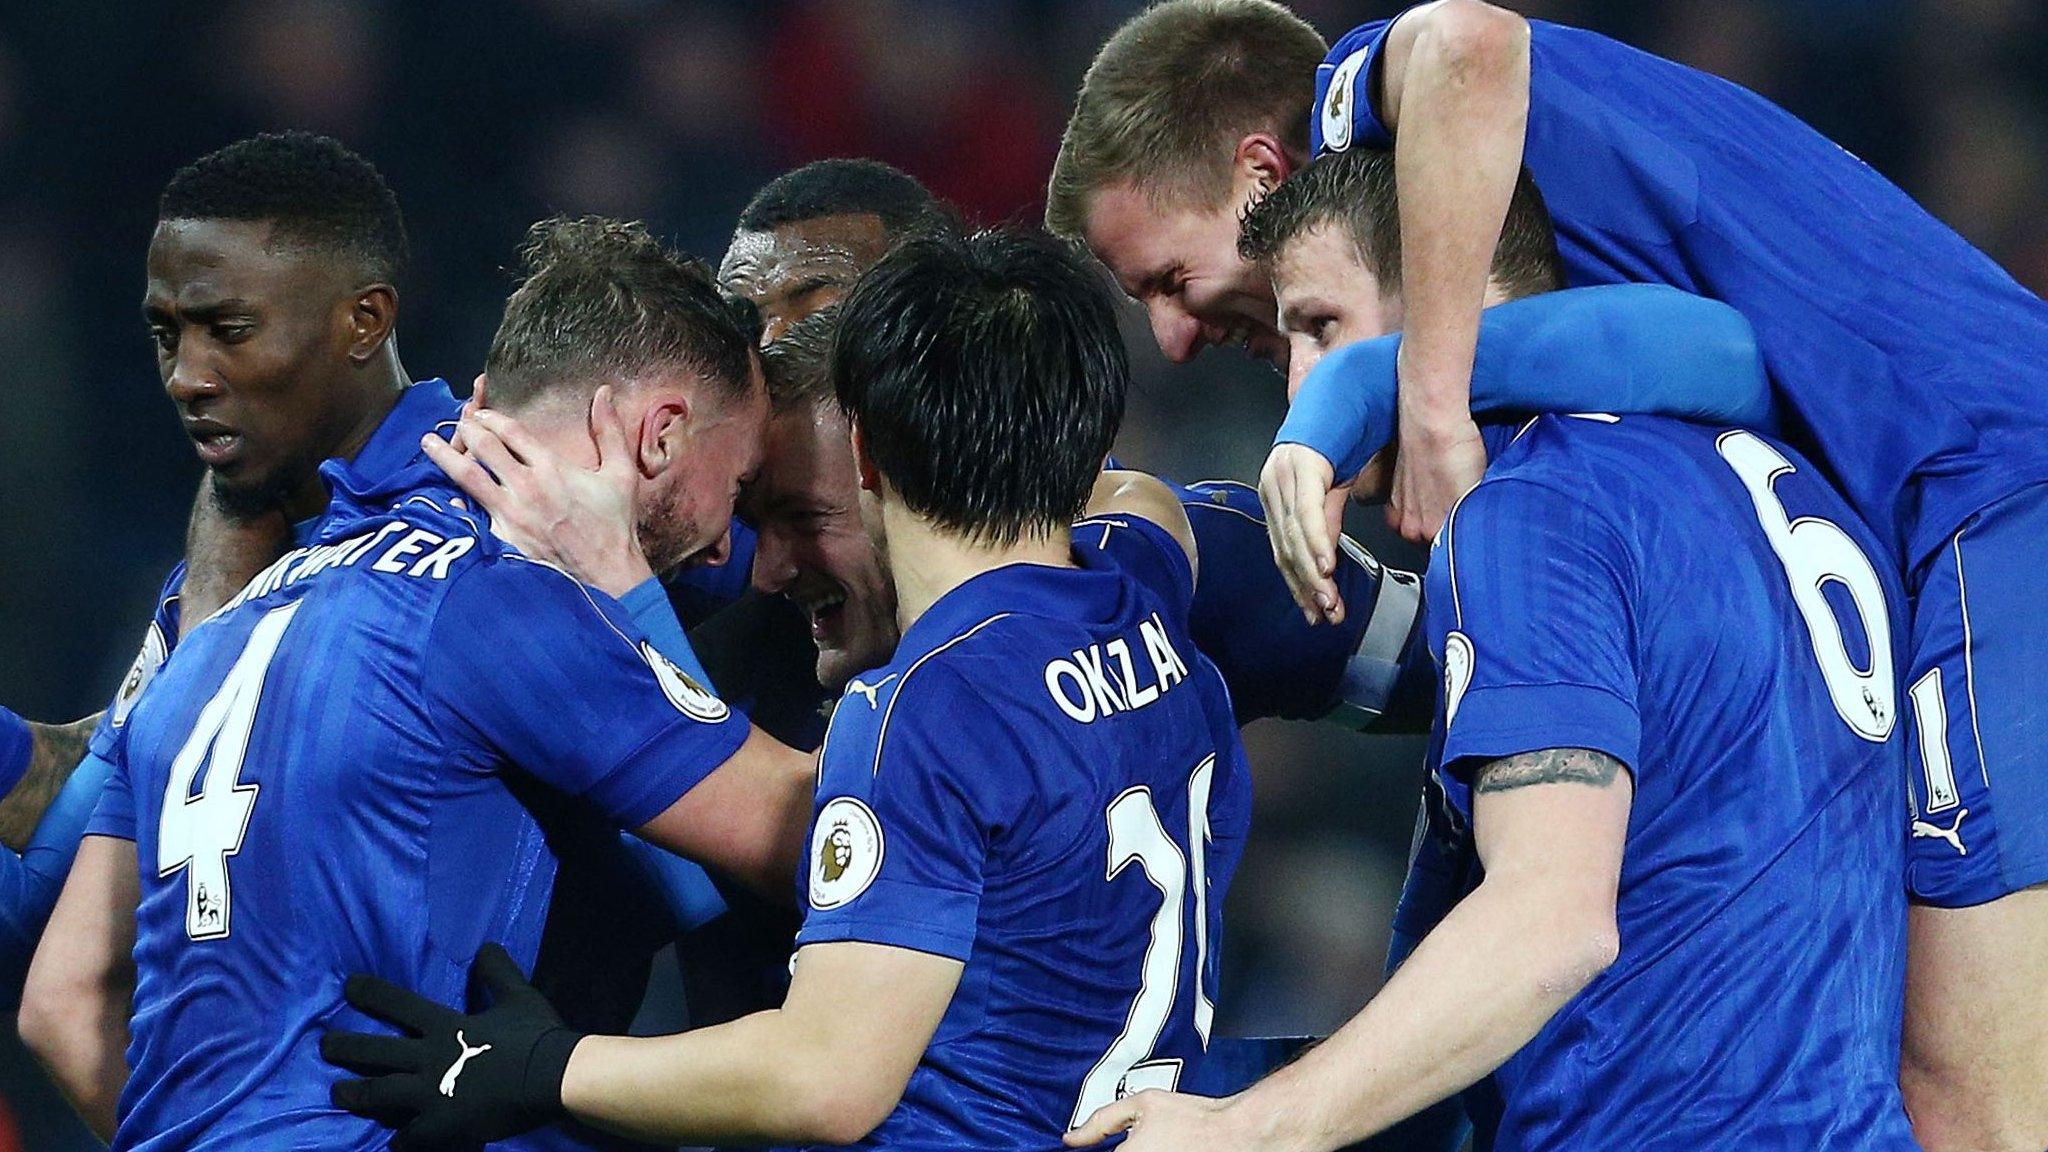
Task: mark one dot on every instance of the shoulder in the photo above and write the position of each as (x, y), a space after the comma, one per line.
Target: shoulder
(934, 697)
(1561, 485)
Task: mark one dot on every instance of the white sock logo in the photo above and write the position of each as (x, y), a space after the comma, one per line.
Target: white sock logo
(455, 1069)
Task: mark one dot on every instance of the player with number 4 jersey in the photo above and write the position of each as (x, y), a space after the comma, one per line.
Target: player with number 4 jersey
(369, 759)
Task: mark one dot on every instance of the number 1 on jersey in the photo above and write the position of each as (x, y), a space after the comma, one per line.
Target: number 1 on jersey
(199, 833)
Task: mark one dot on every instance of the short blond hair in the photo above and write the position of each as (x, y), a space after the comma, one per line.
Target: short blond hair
(1171, 93)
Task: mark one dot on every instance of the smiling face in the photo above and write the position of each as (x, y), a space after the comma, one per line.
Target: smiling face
(813, 545)
(1181, 263)
(253, 342)
(1327, 298)
(795, 269)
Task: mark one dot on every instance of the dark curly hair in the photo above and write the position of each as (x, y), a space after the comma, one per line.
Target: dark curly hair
(844, 187)
(312, 187)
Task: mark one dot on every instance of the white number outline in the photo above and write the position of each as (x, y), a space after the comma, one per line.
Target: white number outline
(1137, 835)
(196, 835)
(1930, 710)
(1814, 552)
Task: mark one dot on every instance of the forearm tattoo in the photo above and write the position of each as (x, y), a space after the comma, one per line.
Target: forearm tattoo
(1550, 766)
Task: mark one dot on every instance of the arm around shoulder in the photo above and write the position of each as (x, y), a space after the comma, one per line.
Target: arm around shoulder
(1461, 35)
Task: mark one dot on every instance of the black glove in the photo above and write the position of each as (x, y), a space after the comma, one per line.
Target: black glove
(456, 1081)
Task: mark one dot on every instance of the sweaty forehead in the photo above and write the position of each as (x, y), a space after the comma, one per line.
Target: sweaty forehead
(758, 263)
(1323, 261)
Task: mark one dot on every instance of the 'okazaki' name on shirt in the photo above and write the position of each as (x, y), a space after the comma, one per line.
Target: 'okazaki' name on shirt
(1103, 679)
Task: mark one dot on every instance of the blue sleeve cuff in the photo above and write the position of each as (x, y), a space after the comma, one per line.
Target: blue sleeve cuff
(648, 606)
(933, 923)
(663, 770)
(17, 748)
(1345, 407)
(1509, 720)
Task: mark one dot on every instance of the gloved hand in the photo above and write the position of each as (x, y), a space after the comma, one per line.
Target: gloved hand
(455, 1081)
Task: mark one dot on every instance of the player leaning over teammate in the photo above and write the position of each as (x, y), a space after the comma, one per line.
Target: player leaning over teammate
(1905, 359)
(1029, 815)
(1678, 760)
(1913, 367)
(362, 761)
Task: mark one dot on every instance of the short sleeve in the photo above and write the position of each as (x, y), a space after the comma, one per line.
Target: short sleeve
(1529, 618)
(1346, 113)
(1145, 552)
(910, 792)
(157, 642)
(114, 815)
(547, 674)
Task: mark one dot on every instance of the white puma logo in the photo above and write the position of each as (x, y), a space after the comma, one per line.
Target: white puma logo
(868, 690)
(455, 1069)
(1922, 830)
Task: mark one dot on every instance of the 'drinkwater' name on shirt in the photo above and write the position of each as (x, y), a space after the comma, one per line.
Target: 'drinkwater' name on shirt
(1103, 679)
(417, 552)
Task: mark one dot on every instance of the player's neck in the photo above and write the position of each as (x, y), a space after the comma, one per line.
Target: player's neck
(927, 561)
(382, 385)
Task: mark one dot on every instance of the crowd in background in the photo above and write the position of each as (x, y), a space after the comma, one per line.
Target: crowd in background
(487, 115)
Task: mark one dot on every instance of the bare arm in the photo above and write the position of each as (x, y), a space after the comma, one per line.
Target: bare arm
(1455, 91)
(1119, 493)
(81, 986)
(748, 818)
(56, 751)
(826, 1068)
(1550, 828)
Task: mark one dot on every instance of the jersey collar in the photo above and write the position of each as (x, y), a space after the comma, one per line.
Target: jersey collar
(1092, 593)
(388, 459)
(420, 409)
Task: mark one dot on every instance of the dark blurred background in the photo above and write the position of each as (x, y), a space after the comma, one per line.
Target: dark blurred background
(486, 116)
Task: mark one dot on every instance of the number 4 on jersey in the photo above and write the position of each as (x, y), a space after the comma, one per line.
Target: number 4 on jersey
(198, 833)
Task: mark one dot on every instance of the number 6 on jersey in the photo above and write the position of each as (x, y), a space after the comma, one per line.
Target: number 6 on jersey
(199, 832)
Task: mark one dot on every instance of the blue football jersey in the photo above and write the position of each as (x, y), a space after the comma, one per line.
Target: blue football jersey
(1703, 607)
(356, 766)
(1275, 663)
(1046, 784)
(1914, 367)
(420, 409)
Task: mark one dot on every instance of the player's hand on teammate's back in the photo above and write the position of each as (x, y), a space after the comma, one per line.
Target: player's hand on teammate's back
(1433, 470)
(455, 1081)
(575, 517)
(1304, 517)
(1161, 1122)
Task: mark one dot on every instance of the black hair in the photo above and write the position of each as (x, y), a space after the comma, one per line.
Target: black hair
(798, 364)
(1357, 191)
(987, 375)
(602, 301)
(311, 187)
(844, 187)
